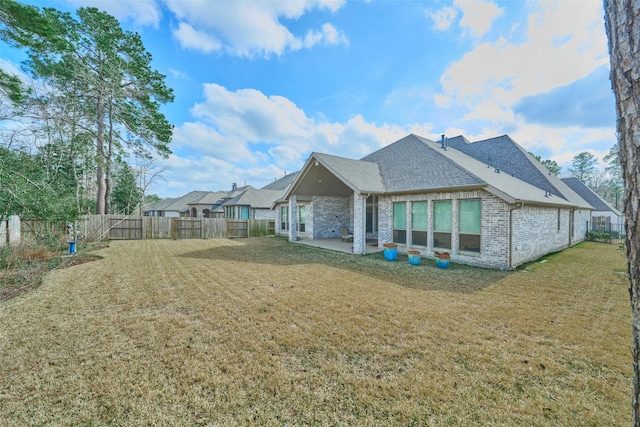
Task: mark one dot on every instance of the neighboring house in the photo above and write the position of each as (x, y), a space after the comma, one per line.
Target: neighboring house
(176, 207)
(239, 203)
(604, 216)
(487, 203)
(252, 203)
(207, 206)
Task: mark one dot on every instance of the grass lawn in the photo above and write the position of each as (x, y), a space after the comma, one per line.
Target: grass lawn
(265, 332)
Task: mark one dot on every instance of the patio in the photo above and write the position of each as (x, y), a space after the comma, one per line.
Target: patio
(338, 245)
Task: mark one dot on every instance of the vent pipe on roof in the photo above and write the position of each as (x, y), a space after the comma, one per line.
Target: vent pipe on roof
(444, 142)
(234, 186)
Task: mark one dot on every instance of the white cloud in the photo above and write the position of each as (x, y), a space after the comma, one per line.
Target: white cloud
(191, 38)
(443, 18)
(251, 28)
(246, 135)
(489, 80)
(178, 74)
(476, 16)
(510, 71)
(140, 12)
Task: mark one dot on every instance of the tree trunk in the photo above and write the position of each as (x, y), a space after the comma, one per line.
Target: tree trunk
(102, 187)
(623, 31)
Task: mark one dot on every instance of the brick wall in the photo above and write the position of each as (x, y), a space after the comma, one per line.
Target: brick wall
(330, 214)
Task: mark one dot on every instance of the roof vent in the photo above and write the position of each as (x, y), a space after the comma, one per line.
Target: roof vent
(497, 170)
(234, 186)
(444, 142)
(489, 161)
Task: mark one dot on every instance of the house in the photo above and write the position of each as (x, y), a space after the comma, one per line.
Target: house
(244, 202)
(206, 206)
(604, 216)
(487, 203)
(176, 207)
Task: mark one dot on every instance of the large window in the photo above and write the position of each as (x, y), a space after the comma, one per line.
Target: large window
(470, 225)
(301, 220)
(400, 222)
(419, 223)
(284, 218)
(244, 212)
(442, 224)
(230, 212)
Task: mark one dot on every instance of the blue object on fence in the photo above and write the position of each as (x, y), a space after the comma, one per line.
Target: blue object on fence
(390, 251)
(72, 247)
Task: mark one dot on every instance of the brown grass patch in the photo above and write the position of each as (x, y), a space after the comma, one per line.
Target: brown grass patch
(264, 332)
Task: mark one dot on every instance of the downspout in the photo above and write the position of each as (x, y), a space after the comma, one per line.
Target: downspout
(572, 224)
(511, 209)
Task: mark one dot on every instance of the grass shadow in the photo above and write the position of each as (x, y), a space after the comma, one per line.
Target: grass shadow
(426, 276)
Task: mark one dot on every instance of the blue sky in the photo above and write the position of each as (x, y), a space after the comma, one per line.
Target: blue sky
(259, 85)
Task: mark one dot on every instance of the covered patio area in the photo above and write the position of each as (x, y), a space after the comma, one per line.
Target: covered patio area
(336, 244)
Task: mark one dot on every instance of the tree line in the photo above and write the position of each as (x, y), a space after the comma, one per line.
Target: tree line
(80, 126)
(606, 182)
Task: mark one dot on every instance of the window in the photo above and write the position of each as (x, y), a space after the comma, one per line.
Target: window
(442, 224)
(470, 225)
(400, 222)
(230, 212)
(301, 219)
(284, 218)
(244, 212)
(558, 219)
(372, 214)
(419, 223)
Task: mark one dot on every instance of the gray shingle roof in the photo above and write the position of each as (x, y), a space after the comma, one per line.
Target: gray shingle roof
(256, 198)
(414, 163)
(179, 204)
(359, 175)
(503, 153)
(282, 183)
(589, 195)
(506, 155)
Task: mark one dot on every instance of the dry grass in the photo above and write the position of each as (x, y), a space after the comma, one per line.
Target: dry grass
(263, 332)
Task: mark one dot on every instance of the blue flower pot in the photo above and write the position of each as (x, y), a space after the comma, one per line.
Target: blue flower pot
(390, 251)
(442, 259)
(414, 257)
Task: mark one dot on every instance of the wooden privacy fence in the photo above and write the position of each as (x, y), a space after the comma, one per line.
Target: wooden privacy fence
(121, 227)
(10, 231)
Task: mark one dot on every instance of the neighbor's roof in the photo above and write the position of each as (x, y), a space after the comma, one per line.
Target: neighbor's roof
(256, 198)
(179, 204)
(597, 202)
(211, 198)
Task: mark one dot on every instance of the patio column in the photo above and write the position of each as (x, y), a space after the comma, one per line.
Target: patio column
(293, 219)
(359, 223)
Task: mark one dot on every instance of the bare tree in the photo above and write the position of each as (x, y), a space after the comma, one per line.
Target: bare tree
(147, 172)
(622, 23)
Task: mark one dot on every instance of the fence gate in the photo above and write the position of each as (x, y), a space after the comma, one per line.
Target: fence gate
(125, 228)
(186, 228)
(237, 228)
